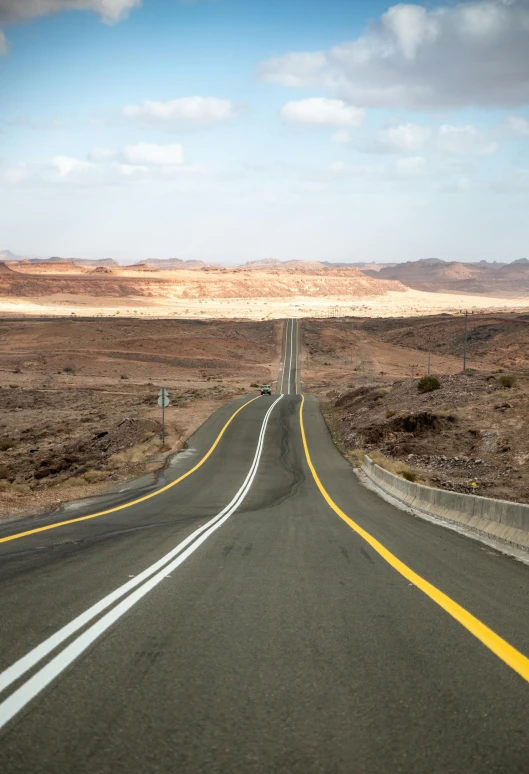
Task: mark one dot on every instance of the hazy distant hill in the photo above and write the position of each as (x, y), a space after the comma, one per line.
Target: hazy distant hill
(434, 274)
(7, 255)
(172, 263)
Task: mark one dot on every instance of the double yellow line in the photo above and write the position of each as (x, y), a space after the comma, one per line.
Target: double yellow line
(139, 499)
(512, 657)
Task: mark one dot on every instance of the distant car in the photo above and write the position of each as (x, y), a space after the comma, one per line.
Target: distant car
(266, 389)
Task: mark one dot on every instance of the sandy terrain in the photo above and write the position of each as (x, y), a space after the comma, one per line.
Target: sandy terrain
(250, 292)
(402, 304)
(471, 435)
(78, 411)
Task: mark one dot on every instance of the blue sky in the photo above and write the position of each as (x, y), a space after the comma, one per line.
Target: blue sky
(231, 130)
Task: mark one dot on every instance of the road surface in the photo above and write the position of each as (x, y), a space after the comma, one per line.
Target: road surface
(260, 611)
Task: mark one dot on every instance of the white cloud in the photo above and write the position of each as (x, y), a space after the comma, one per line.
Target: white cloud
(66, 165)
(341, 137)
(109, 10)
(411, 166)
(325, 112)
(154, 155)
(101, 154)
(467, 53)
(129, 170)
(412, 27)
(518, 126)
(465, 141)
(200, 111)
(404, 138)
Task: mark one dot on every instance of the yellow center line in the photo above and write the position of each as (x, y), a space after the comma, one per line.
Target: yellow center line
(512, 657)
(140, 499)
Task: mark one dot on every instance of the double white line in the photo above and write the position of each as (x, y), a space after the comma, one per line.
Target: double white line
(143, 583)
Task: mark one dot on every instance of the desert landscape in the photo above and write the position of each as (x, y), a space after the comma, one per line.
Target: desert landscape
(86, 345)
(257, 290)
(78, 399)
(469, 435)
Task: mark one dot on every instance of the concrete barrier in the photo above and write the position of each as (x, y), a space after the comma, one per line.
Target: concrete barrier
(499, 519)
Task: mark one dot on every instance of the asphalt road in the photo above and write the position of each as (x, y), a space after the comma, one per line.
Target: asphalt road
(265, 613)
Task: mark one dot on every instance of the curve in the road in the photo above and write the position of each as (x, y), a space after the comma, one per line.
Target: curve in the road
(146, 582)
(512, 657)
(138, 500)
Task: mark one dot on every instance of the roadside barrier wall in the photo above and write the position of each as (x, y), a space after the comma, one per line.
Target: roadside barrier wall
(500, 519)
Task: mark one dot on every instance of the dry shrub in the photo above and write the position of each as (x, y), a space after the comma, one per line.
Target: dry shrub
(428, 384)
(390, 413)
(356, 457)
(7, 443)
(8, 486)
(138, 453)
(94, 476)
(396, 467)
(75, 481)
(508, 380)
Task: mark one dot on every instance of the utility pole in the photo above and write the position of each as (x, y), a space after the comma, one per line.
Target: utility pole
(465, 343)
(428, 362)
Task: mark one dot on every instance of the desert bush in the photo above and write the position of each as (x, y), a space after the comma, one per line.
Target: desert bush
(123, 376)
(390, 413)
(7, 443)
(17, 371)
(508, 380)
(95, 476)
(75, 481)
(428, 384)
(356, 457)
(253, 384)
(396, 467)
(8, 486)
(13, 386)
(68, 370)
(138, 453)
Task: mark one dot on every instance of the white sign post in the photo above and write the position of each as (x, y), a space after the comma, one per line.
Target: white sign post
(163, 402)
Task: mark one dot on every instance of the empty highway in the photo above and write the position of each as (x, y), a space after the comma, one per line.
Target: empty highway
(259, 611)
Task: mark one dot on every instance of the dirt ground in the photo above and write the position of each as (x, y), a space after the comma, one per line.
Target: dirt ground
(78, 398)
(471, 435)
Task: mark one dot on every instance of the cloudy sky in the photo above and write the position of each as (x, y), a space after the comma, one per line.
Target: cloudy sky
(231, 130)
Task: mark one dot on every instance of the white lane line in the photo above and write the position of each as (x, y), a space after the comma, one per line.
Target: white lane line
(14, 703)
(290, 364)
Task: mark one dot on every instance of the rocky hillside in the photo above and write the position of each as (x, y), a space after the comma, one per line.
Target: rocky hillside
(432, 274)
(204, 283)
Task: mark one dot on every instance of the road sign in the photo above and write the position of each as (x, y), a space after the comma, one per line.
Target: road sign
(163, 398)
(163, 402)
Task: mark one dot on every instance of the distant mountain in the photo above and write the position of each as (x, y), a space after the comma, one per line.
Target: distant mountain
(171, 263)
(454, 276)
(7, 255)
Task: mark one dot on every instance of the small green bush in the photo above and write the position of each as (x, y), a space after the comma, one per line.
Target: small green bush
(508, 380)
(7, 443)
(253, 384)
(390, 413)
(428, 384)
(123, 376)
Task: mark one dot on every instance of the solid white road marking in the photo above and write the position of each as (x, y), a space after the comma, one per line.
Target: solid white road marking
(291, 340)
(14, 703)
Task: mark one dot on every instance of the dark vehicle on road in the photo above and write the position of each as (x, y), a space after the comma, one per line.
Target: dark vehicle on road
(266, 389)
